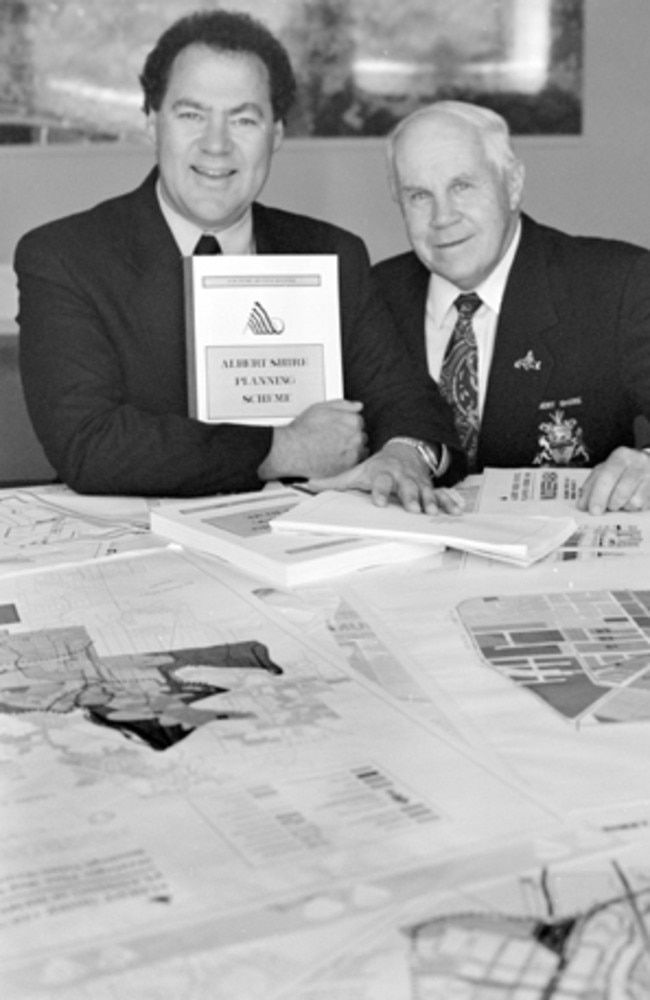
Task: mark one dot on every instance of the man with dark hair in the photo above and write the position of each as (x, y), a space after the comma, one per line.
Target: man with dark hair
(101, 315)
(224, 32)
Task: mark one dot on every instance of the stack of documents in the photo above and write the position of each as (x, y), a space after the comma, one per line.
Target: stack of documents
(520, 540)
(236, 528)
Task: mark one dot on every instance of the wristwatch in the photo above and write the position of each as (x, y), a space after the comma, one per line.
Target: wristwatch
(436, 458)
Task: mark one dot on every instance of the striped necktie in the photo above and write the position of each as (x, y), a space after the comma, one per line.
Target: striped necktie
(459, 376)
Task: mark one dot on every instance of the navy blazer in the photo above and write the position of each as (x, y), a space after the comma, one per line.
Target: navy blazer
(571, 364)
(102, 352)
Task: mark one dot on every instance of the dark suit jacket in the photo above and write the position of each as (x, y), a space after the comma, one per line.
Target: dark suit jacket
(571, 363)
(102, 351)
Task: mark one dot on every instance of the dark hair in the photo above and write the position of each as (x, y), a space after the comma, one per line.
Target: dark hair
(223, 31)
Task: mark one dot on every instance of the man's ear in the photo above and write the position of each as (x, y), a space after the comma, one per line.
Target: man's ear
(150, 126)
(516, 178)
(278, 134)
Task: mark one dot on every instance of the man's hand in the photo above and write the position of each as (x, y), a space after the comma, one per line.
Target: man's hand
(621, 482)
(324, 440)
(397, 469)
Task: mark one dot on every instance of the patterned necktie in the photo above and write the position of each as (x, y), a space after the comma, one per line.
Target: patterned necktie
(208, 244)
(459, 376)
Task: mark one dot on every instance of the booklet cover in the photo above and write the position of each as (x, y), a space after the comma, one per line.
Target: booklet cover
(263, 336)
(539, 490)
(514, 539)
(236, 528)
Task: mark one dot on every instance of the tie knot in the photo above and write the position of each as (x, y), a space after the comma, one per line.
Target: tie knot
(468, 303)
(207, 244)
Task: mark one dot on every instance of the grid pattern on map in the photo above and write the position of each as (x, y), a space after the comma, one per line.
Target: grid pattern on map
(586, 653)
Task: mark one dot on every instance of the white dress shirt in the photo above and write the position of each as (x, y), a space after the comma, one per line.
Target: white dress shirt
(441, 315)
(235, 239)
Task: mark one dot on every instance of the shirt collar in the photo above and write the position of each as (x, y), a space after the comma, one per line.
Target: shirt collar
(234, 239)
(443, 294)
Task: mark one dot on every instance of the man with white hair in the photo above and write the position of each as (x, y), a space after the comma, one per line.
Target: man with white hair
(540, 340)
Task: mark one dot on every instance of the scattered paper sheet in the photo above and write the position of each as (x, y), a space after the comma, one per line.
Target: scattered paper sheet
(51, 525)
(554, 492)
(595, 771)
(303, 774)
(572, 928)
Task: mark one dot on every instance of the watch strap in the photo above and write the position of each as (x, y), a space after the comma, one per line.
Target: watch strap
(435, 457)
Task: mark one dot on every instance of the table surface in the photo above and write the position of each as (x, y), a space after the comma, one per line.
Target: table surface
(426, 780)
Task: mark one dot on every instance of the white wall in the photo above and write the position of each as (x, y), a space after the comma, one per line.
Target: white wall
(596, 183)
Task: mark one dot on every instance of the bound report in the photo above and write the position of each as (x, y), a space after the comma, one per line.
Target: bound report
(518, 540)
(263, 336)
(236, 528)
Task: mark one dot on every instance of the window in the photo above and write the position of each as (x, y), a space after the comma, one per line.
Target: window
(69, 68)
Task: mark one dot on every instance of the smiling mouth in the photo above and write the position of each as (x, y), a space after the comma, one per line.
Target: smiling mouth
(214, 174)
(452, 244)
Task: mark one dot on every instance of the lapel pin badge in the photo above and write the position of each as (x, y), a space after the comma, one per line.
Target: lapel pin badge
(528, 363)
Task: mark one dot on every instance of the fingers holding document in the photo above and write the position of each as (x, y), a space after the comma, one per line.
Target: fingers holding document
(397, 470)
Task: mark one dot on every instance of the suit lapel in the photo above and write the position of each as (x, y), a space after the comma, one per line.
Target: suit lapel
(404, 281)
(265, 235)
(524, 351)
(412, 318)
(158, 300)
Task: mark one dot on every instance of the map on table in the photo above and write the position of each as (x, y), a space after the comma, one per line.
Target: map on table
(585, 653)
(148, 696)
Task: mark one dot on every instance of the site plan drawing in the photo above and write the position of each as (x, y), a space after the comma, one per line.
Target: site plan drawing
(586, 653)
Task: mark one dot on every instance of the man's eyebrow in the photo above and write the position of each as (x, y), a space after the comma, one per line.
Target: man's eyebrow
(187, 102)
(246, 106)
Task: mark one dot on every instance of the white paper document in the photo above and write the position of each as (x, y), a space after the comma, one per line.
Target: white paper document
(520, 540)
(552, 665)
(324, 615)
(263, 336)
(180, 765)
(50, 525)
(554, 492)
(546, 491)
(573, 929)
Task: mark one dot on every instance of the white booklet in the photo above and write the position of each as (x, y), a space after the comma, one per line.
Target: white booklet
(236, 528)
(263, 336)
(542, 490)
(519, 540)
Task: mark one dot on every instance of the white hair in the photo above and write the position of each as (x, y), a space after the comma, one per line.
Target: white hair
(492, 127)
